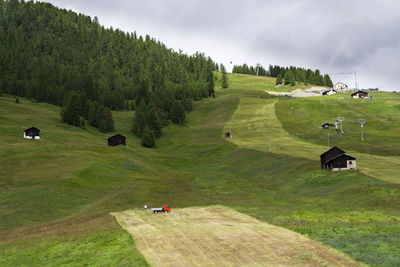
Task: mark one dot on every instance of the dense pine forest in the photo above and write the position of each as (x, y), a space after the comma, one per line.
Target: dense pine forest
(287, 75)
(56, 56)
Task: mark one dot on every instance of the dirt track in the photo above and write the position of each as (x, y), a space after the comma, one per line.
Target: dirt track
(219, 236)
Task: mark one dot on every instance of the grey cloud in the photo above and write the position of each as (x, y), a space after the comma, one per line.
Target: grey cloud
(331, 35)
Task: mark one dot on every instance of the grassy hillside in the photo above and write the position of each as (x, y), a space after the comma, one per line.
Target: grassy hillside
(257, 124)
(382, 113)
(247, 82)
(61, 189)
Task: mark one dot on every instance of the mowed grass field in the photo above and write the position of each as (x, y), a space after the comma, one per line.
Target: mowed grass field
(60, 190)
(259, 124)
(220, 236)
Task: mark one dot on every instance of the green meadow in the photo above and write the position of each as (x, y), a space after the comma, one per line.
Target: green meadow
(56, 194)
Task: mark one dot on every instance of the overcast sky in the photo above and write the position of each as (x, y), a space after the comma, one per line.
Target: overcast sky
(335, 36)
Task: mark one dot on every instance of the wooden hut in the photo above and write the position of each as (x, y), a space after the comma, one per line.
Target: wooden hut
(360, 94)
(32, 133)
(117, 140)
(228, 135)
(326, 126)
(335, 159)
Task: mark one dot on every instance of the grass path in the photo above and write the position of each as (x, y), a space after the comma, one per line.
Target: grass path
(220, 236)
(255, 126)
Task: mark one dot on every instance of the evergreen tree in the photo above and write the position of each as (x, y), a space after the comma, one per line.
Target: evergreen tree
(70, 112)
(187, 104)
(148, 139)
(107, 121)
(327, 81)
(287, 78)
(154, 123)
(279, 79)
(94, 113)
(301, 75)
(224, 80)
(178, 115)
(140, 119)
(318, 78)
(210, 84)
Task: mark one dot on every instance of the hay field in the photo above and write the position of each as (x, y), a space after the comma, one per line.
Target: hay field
(220, 236)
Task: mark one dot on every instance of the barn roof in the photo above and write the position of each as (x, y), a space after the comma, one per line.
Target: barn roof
(115, 136)
(341, 156)
(333, 148)
(32, 128)
(359, 91)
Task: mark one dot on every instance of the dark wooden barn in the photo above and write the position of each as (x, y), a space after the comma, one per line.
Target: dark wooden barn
(117, 140)
(326, 126)
(228, 135)
(335, 159)
(360, 94)
(32, 133)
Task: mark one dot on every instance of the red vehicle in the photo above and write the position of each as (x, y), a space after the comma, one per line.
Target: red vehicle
(164, 209)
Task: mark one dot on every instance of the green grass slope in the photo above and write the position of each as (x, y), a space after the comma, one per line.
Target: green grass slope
(257, 126)
(382, 114)
(378, 154)
(60, 190)
(251, 82)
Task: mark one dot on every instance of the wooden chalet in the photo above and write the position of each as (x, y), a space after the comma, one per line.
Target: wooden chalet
(326, 126)
(117, 140)
(32, 133)
(228, 135)
(335, 159)
(360, 94)
(329, 92)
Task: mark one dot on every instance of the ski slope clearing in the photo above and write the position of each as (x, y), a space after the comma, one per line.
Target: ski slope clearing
(256, 126)
(220, 236)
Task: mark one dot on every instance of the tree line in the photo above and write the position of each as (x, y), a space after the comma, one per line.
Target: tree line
(287, 75)
(67, 59)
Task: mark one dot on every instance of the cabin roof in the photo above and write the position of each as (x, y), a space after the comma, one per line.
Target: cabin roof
(341, 156)
(333, 148)
(359, 91)
(115, 136)
(32, 128)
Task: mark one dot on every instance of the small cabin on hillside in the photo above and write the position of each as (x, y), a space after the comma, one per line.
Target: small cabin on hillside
(360, 94)
(340, 87)
(228, 135)
(32, 133)
(335, 159)
(326, 126)
(117, 140)
(329, 92)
